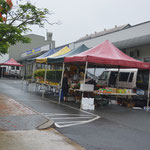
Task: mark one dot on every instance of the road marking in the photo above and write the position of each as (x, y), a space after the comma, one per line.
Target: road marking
(78, 123)
(31, 100)
(57, 124)
(71, 118)
(68, 122)
(52, 114)
(61, 124)
(71, 107)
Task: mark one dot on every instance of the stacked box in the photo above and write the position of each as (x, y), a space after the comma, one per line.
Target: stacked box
(121, 90)
(113, 90)
(87, 87)
(87, 103)
(107, 90)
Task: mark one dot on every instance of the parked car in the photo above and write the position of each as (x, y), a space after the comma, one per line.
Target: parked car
(134, 79)
(12, 71)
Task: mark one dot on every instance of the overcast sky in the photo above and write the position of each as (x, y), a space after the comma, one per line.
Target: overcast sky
(81, 17)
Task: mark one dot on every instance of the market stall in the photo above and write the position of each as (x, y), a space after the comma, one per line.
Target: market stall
(62, 51)
(40, 80)
(11, 62)
(10, 70)
(60, 59)
(57, 59)
(106, 55)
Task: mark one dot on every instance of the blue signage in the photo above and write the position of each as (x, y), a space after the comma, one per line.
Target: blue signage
(33, 51)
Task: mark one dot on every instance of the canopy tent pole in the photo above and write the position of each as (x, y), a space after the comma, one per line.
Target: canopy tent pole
(33, 74)
(62, 76)
(85, 71)
(94, 71)
(117, 81)
(52, 67)
(86, 65)
(26, 70)
(148, 93)
(45, 75)
(24, 67)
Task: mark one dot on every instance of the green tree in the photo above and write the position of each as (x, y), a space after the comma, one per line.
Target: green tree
(14, 21)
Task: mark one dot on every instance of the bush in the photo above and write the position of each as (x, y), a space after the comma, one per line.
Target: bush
(52, 75)
(28, 76)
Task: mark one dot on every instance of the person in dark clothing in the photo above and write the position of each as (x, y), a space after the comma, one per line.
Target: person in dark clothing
(65, 86)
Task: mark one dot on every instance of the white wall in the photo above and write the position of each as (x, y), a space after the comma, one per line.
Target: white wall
(144, 51)
(4, 58)
(125, 34)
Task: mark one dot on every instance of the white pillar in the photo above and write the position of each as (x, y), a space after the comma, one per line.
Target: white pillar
(2, 72)
(148, 92)
(33, 71)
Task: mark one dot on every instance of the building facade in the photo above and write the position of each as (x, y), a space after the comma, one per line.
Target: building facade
(22, 52)
(38, 45)
(132, 40)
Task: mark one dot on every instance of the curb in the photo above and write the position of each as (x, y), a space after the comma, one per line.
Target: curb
(48, 124)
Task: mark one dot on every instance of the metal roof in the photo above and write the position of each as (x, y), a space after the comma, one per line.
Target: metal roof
(105, 31)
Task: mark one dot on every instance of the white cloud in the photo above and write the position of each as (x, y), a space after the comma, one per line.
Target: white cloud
(80, 17)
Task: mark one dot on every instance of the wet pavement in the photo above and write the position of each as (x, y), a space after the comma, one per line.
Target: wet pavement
(19, 124)
(14, 116)
(118, 128)
(36, 140)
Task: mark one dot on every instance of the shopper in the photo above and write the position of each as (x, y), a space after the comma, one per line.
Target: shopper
(75, 76)
(65, 86)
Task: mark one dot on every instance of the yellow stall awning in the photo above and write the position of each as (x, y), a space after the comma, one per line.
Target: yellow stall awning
(41, 60)
(60, 52)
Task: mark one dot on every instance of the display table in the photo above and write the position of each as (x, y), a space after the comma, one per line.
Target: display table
(116, 94)
(47, 87)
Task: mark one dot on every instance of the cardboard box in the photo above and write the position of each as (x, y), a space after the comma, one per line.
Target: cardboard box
(88, 101)
(120, 90)
(140, 92)
(107, 90)
(87, 87)
(87, 107)
(113, 90)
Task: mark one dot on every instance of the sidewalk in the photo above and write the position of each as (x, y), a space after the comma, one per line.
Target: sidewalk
(18, 131)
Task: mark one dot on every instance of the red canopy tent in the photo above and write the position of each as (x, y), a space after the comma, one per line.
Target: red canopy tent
(107, 55)
(11, 62)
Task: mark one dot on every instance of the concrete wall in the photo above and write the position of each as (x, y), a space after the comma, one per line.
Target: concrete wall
(144, 51)
(15, 51)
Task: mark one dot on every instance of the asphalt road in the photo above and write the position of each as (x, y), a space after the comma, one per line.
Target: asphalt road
(107, 128)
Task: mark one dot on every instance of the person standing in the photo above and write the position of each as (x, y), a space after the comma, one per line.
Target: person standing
(65, 87)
